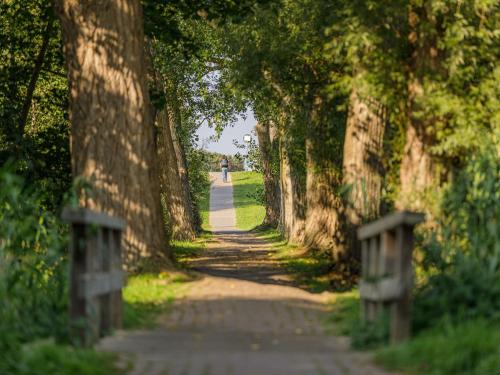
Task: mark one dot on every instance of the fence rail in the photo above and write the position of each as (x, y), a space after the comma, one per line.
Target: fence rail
(96, 276)
(386, 270)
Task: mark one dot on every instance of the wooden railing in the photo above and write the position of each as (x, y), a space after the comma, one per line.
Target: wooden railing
(96, 276)
(386, 270)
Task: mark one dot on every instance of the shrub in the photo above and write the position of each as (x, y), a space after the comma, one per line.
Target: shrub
(463, 257)
(33, 269)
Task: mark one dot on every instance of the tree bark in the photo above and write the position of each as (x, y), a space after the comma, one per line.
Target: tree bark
(112, 135)
(323, 228)
(418, 166)
(175, 124)
(271, 182)
(292, 205)
(172, 189)
(362, 158)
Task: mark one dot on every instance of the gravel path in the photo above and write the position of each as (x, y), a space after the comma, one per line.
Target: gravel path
(242, 317)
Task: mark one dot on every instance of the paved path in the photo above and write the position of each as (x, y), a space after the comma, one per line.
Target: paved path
(243, 317)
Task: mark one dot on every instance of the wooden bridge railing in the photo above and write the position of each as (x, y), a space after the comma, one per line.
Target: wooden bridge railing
(386, 270)
(96, 276)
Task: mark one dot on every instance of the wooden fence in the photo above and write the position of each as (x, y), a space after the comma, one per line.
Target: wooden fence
(96, 276)
(386, 273)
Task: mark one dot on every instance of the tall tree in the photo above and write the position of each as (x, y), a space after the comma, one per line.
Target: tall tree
(324, 223)
(112, 140)
(362, 158)
(267, 136)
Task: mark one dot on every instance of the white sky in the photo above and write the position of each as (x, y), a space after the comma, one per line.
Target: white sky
(225, 144)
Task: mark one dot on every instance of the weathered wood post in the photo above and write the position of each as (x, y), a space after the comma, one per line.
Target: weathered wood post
(96, 275)
(386, 270)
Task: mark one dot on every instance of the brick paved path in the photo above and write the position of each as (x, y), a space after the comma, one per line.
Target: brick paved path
(243, 317)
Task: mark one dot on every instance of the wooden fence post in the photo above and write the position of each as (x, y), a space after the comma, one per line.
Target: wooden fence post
(386, 270)
(96, 275)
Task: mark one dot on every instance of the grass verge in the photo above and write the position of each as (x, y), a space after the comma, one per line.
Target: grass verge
(148, 295)
(204, 206)
(470, 348)
(45, 357)
(309, 270)
(247, 190)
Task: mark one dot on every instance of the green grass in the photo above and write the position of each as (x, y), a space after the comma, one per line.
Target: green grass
(471, 348)
(204, 205)
(185, 250)
(345, 313)
(309, 270)
(45, 357)
(246, 187)
(148, 295)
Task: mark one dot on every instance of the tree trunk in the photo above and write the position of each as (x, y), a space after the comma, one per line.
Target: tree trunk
(271, 182)
(112, 138)
(323, 229)
(292, 205)
(362, 164)
(175, 124)
(178, 207)
(418, 167)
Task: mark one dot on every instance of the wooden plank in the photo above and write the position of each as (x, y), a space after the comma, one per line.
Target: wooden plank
(373, 253)
(116, 264)
(390, 222)
(95, 284)
(89, 217)
(400, 310)
(386, 289)
(364, 258)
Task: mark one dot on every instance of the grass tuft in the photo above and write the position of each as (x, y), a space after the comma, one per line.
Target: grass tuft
(148, 295)
(470, 348)
(41, 358)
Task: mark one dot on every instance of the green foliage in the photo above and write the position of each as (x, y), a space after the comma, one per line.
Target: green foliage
(39, 143)
(369, 335)
(471, 348)
(463, 257)
(212, 161)
(249, 212)
(250, 153)
(33, 269)
(46, 358)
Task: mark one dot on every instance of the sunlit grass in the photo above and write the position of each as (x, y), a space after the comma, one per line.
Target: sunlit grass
(309, 270)
(249, 212)
(470, 348)
(186, 250)
(204, 205)
(148, 295)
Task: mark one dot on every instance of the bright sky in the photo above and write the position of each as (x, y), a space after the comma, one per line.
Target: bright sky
(225, 144)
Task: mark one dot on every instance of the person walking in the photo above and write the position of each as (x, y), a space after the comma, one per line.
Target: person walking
(224, 164)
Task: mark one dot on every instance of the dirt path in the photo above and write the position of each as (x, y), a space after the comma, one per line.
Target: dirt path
(243, 316)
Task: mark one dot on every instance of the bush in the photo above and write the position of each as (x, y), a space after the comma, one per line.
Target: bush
(463, 257)
(33, 270)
